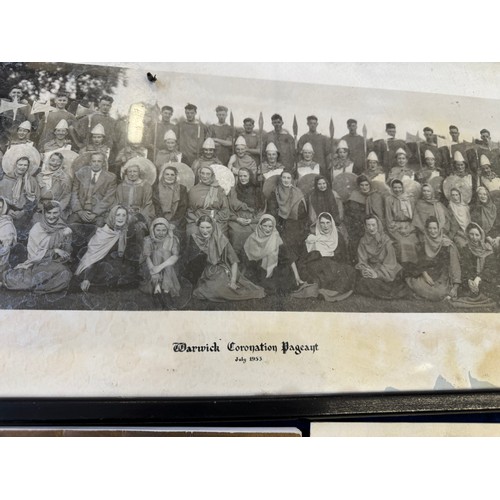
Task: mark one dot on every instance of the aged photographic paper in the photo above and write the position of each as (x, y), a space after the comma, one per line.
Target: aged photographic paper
(213, 235)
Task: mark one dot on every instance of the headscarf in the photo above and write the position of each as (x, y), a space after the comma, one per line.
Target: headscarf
(169, 194)
(482, 249)
(404, 200)
(166, 243)
(103, 241)
(359, 197)
(44, 236)
(7, 228)
(47, 175)
(438, 208)
(460, 211)
(214, 245)
(484, 213)
(213, 192)
(374, 243)
(249, 194)
(324, 243)
(27, 181)
(433, 246)
(289, 199)
(323, 201)
(259, 246)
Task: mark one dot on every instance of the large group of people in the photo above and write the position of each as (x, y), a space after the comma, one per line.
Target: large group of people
(222, 213)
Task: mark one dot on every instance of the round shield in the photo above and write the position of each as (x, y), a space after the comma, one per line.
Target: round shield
(146, 167)
(306, 183)
(224, 177)
(344, 184)
(460, 183)
(270, 185)
(437, 184)
(185, 174)
(381, 187)
(412, 187)
(17, 151)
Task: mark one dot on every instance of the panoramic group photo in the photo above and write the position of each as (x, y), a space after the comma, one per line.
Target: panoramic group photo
(124, 190)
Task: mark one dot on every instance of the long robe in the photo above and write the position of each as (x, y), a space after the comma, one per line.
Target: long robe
(47, 271)
(212, 274)
(400, 228)
(207, 200)
(245, 202)
(377, 253)
(56, 187)
(443, 268)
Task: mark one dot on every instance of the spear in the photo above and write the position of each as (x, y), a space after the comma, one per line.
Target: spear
(198, 140)
(156, 134)
(261, 130)
(365, 133)
(231, 121)
(332, 132)
(418, 150)
(295, 132)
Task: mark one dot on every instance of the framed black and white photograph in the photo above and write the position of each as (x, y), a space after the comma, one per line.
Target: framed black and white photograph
(236, 230)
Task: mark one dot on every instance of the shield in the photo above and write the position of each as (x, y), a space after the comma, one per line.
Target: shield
(306, 183)
(185, 174)
(412, 187)
(224, 177)
(381, 187)
(270, 185)
(146, 167)
(17, 151)
(460, 183)
(344, 184)
(437, 184)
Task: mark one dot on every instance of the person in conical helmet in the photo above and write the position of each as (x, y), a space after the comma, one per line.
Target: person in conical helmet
(306, 165)
(22, 135)
(169, 153)
(271, 165)
(84, 128)
(191, 134)
(430, 169)
(241, 159)
(207, 157)
(341, 162)
(53, 119)
(401, 169)
(374, 171)
(97, 142)
(488, 178)
(61, 138)
(222, 133)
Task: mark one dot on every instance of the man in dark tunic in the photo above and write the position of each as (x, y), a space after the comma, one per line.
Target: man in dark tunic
(430, 145)
(386, 148)
(53, 118)
(252, 139)
(486, 147)
(191, 136)
(284, 142)
(154, 136)
(319, 142)
(356, 144)
(222, 134)
(83, 127)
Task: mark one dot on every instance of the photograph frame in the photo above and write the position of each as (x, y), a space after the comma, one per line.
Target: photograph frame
(178, 410)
